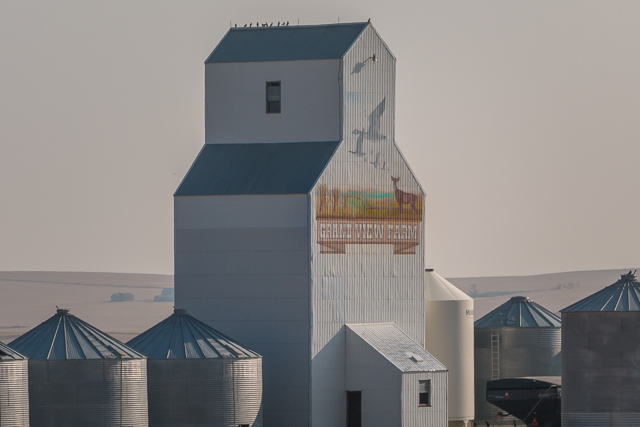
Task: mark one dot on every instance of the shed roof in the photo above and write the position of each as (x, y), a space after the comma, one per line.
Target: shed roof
(291, 43)
(623, 295)
(64, 336)
(257, 168)
(397, 347)
(440, 289)
(181, 336)
(7, 353)
(519, 312)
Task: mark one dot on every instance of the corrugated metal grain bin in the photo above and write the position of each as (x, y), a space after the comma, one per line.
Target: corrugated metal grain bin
(81, 377)
(518, 339)
(198, 376)
(601, 357)
(449, 338)
(14, 388)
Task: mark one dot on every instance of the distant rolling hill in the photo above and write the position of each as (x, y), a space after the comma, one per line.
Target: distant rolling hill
(29, 298)
(553, 291)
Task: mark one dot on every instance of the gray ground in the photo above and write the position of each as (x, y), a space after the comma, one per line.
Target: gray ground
(28, 298)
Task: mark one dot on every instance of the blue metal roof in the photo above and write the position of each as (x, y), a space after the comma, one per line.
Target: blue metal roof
(624, 295)
(519, 312)
(264, 168)
(7, 353)
(293, 43)
(64, 336)
(181, 336)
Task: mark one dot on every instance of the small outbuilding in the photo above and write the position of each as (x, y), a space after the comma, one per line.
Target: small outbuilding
(79, 376)
(14, 388)
(198, 376)
(391, 380)
(601, 357)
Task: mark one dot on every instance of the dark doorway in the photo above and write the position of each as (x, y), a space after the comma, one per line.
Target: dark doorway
(354, 409)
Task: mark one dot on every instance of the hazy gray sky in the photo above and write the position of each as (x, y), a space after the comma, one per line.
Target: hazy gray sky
(520, 119)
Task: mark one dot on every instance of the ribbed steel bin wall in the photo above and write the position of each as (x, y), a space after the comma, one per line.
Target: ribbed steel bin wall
(205, 392)
(600, 369)
(88, 392)
(14, 393)
(523, 352)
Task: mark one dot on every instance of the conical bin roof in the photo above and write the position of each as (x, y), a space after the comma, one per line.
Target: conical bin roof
(623, 295)
(64, 336)
(182, 336)
(437, 288)
(519, 312)
(7, 353)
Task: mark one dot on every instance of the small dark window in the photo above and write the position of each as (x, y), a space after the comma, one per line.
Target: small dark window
(273, 97)
(424, 388)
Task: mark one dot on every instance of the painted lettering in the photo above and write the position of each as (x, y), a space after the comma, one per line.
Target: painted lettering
(403, 234)
(396, 234)
(413, 232)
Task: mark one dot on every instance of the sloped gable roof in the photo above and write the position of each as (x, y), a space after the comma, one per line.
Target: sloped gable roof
(262, 44)
(260, 168)
(181, 336)
(397, 347)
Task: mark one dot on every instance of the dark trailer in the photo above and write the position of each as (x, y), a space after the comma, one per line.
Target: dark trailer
(534, 400)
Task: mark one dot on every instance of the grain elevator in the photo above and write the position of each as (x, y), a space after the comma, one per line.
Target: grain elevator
(299, 228)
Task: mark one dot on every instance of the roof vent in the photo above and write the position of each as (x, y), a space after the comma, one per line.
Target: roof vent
(416, 358)
(180, 311)
(62, 311)
(629, 277)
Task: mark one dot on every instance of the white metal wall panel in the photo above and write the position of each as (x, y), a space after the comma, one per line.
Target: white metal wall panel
(414, 415)
(378, 379)
(235, 96)
(242, 266)
(361, 276)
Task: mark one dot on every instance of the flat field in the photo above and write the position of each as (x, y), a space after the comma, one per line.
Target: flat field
(552, 291)
(29, 298)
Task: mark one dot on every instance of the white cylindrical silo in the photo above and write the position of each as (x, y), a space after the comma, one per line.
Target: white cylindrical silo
(449, 337)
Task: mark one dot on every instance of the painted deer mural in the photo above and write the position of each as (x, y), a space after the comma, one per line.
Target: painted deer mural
(404, 198)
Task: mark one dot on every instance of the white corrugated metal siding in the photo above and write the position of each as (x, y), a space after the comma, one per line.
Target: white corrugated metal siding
(414, 415)
(367, 283)
(236, 101)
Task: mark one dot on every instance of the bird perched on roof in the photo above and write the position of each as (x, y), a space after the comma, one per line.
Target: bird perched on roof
(369, 20)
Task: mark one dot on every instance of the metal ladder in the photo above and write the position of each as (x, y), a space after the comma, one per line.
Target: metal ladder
(495, 356)
(495, 367)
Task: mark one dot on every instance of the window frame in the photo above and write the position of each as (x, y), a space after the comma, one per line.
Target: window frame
(426, 393)
(269, 107)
